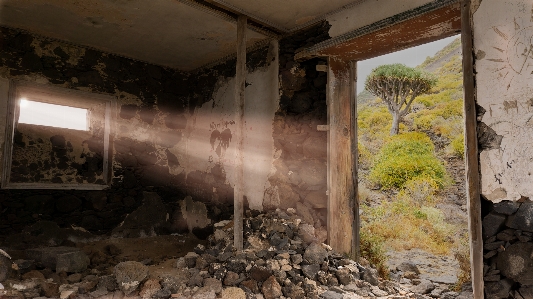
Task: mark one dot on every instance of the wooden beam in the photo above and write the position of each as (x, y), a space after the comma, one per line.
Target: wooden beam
(471, 153)
(240, 81)
(342, 229)
(355, 153)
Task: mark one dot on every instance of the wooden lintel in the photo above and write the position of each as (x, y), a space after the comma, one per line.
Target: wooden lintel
(342, 202)
(240, 81)
(471, 154)
(431, 26)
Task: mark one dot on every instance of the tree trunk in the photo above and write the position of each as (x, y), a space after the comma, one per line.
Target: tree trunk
(395, 123)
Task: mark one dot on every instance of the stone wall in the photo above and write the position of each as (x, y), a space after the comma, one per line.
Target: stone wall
(508, 249)
(300, 179)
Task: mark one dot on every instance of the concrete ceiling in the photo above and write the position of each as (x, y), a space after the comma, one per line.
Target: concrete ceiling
(173, 33)
(286, 15)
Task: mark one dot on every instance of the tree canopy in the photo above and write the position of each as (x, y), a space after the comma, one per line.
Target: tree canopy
(398, 85)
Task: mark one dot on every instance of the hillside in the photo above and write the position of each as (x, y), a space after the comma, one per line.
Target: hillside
(411, 185)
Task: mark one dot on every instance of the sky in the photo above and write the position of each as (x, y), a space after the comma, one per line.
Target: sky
(410, 57)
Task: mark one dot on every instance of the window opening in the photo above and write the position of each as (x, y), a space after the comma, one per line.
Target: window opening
(52, 115)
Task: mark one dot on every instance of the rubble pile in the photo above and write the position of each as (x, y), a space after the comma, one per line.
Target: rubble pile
(282, 258)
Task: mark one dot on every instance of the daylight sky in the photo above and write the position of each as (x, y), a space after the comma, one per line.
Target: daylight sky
(410, 57)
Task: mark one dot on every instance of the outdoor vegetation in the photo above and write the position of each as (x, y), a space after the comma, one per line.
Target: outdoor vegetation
(403, 177)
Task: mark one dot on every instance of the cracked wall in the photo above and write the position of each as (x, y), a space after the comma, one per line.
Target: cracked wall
(503, 44)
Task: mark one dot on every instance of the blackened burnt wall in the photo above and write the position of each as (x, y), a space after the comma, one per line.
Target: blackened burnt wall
(154, 105)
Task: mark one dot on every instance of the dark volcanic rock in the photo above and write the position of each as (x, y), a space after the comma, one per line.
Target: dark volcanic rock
(498, 290)
(506, 207)
(523, 219)
(315, 254)
(492, 223)
(516, 262)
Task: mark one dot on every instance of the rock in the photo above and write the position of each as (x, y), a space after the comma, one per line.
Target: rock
(424, 287)
(144, 221)
(233, 293)
(498, 290)
(5, 266)
(212, 284)
(449, 295)
(271, 288)
(313, 172)
(24, 266)
(523, 218)
(314, 147)
(231, 278)
(150, 288)
(315, 254)
(311, 271)
(331, 295)
(259, 273)
(50, 289)
(129, 275)
(408, 266)
(506, 207)
(371, 276)
(307, 233)
(73, 278)
(526, 292)
(293, 291)
(378, 292)
(344, 276)
(296, 259)
(72, 262)
(318, 199)
(47, 256)
(304, 212)
(250, 285)
(492, 223)
(190, 259)
(516, 263)
(107, 282)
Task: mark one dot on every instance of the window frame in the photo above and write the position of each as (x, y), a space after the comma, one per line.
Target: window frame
(58, 96)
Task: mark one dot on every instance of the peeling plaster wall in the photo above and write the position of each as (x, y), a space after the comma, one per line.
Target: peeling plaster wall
(503, 33)
(211, 143)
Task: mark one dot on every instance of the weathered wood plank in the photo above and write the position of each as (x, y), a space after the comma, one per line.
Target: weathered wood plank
(240, 81)
(353, 143)
(471, 153)
(342, 229)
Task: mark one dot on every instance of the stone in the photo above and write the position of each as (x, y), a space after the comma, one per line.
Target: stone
(107, 282)
(129, 275)
(318, 199)
(50, 289)
(145, 220)
(498, 290)
(424, 287)
(371, 276)
(344, 276)
(5, 265)
(516, 262)
(492, 223)
(72, 262)
(47, 256)
(311, 271)
(307, 233)
(233, 293)
(150, 288)
(259, 273)
(408, 266)
(231, 278)
(304, 212)
(73, 278)
(271, 288)
(296, 259)
(523, 218)
(526, 292)
(313, 172)
(190, 259)
(378, 292)
(506, 207)
(293, 291)
(213, 284)
(250, 285)
(449, 295)
(315, 147)
(315, 254)
(331, 295)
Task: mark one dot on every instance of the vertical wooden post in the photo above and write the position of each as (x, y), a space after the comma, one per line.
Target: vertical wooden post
(355, 161)
(342, 177)
(240, 80)
(471, 154)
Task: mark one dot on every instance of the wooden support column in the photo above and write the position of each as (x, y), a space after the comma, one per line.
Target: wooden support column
(240, 80)
(471, 153)
(343, 216)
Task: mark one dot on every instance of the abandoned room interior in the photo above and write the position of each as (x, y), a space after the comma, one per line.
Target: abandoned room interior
(213, 152)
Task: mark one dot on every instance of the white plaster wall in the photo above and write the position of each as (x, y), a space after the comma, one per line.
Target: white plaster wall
(262, 101)
(368, 12)
(4, 91)
(503, 43)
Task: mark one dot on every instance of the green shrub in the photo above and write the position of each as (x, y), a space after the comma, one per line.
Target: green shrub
(405, 157)
(420, 190)
(458, 146)
(373, 250)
